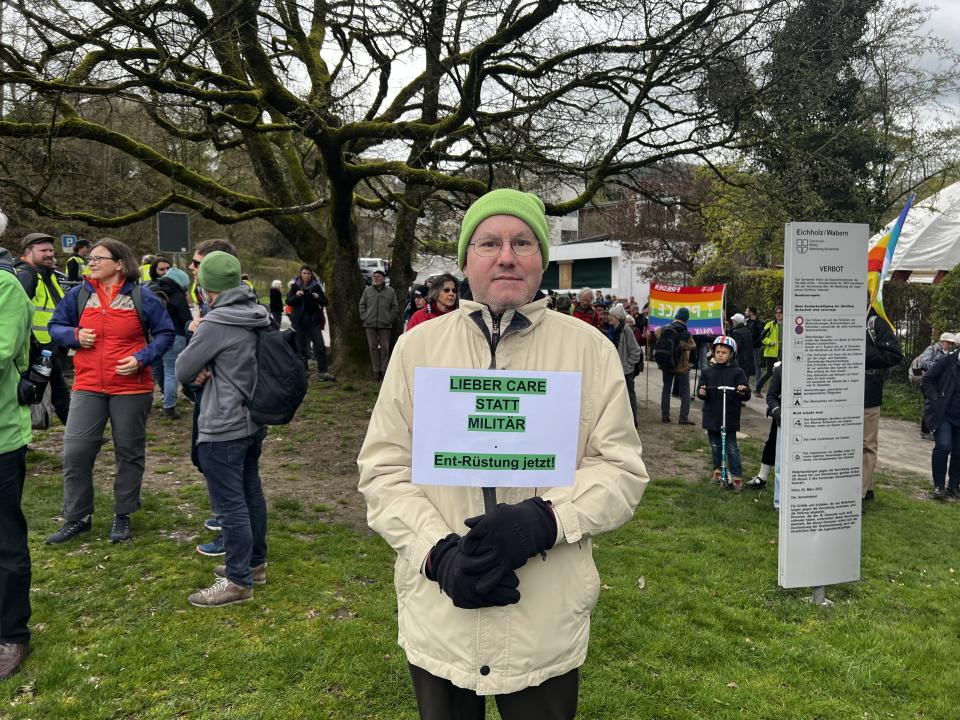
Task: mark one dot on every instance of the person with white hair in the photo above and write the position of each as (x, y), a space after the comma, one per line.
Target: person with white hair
(276, 301)
(627, 348)
(941, 412)
(744, 337)
(586, 311)
(945, 345)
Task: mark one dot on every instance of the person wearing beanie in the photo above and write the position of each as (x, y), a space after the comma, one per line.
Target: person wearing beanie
(461, 639)
(221, 358)
(672, 346)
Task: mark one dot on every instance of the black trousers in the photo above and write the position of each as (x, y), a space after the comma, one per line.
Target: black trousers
(440, 699)
(312, 334)
(14, 553)
(768, 363)
(769, 456)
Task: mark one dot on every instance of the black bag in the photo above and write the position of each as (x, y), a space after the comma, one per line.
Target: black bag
(667, 351)
(154, 287)
(281, 380)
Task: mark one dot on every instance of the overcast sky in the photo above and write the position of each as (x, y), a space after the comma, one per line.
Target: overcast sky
(945, 20)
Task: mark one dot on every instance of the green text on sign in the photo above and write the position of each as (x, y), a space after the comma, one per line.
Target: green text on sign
(497, 404)
(493, 461)
(496, 423)
(520, 386)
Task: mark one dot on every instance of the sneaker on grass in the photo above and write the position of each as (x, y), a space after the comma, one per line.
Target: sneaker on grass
(120, 529)
(214, 548)
(70, 529)
(259, 573)
(222, 592)
(212, 524)
(756, 482)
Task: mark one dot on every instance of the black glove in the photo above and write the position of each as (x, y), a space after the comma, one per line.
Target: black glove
(459, 576)
(775, 414)
(513, 532)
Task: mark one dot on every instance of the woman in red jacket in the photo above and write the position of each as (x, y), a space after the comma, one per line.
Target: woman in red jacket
(442, 299)
(108, 320)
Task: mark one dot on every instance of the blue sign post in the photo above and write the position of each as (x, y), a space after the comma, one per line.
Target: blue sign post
(68, 241)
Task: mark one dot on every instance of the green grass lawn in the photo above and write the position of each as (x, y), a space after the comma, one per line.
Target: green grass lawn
(902, 400)
(708, 635)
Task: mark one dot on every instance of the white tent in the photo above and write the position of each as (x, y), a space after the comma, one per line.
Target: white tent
(930, 239)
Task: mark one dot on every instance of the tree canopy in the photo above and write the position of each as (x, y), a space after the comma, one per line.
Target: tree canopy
(301, 112)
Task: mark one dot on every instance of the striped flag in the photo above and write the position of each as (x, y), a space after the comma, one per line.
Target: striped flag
(879, 258)
(705, 303)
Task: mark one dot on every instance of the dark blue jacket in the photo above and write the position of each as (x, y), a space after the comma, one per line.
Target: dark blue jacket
(730, 375)
(939, 384)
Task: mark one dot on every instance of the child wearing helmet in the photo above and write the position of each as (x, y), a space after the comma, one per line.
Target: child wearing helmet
(721, 407)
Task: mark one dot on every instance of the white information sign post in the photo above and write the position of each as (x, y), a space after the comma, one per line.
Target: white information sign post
(824, 341)
(495, 428)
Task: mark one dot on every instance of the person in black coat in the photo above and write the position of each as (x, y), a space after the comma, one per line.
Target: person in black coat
(276, 302)
(883, 353)
(307, 300)
(755, 326)
(773, 411)
(741, 333)
(941, 412)
(725, 373)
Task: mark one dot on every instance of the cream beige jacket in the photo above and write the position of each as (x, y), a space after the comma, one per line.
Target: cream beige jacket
(502, 650)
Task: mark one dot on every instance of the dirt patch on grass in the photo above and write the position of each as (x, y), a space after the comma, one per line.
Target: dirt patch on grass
(308, 467)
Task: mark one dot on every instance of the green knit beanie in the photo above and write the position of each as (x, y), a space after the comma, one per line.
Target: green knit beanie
(526, 206)
(219, 271)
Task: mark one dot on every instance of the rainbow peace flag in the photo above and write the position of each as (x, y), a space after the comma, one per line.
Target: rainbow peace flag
(879, 258)
(705, 303)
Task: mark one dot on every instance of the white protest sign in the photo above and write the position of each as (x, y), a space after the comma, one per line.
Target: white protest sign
(495, 428)
(824, 342)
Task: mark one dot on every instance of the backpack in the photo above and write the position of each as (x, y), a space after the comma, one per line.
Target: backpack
(915, 371)
(281, 379)
(667, 351)
(161, 294)
(136, 295)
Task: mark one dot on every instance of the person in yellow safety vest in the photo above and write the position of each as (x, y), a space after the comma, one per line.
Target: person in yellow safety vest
(771, 340)
(245, 279)
(77, 263)
(146, 261)
(36, 273)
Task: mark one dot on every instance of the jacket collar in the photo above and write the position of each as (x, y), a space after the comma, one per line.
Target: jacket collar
(522, 319)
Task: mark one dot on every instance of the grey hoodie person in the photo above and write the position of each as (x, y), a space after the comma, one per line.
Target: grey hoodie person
(225, 345)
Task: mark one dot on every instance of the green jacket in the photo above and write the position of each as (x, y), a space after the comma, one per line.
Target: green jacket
(16, 316)
(771, 339)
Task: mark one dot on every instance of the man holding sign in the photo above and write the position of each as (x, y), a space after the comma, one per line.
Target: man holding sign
(500, 623)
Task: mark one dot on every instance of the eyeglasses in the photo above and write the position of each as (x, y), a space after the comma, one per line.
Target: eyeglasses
(449, 290)
(97, 259)
(490, 247)
(195, 262)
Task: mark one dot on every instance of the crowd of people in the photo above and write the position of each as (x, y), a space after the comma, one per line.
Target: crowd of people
(127, 328)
